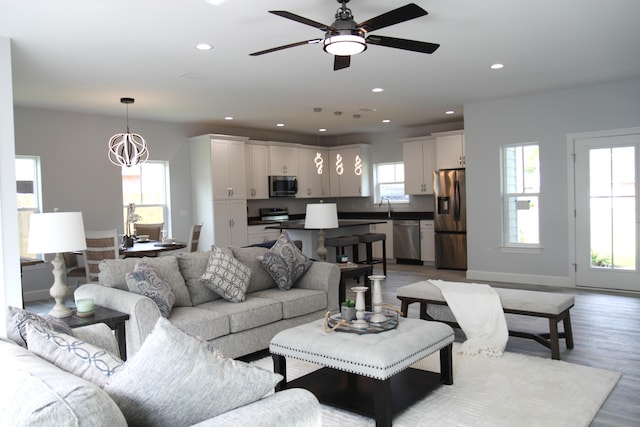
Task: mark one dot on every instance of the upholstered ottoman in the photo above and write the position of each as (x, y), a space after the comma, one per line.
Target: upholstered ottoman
(368, 374)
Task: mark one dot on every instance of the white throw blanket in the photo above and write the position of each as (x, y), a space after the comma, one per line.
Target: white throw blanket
(479, 313)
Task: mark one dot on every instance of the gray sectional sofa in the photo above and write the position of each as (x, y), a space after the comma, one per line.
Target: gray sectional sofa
(236, 329)
(38, 392)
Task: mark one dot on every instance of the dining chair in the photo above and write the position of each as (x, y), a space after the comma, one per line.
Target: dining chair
(152, 230)
(76, 274)
(194, 237)
(100, 245)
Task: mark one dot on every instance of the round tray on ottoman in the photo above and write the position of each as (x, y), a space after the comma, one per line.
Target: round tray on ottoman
(334, 321)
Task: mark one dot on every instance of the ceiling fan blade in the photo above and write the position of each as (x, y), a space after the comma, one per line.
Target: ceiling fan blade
(340, 62)
(286, 46)
(412, 45)
(300, 19)
(396, 16)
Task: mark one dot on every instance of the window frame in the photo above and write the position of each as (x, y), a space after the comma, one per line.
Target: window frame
(166, 206)
(509, 210)
(377, 196)
(37, 192)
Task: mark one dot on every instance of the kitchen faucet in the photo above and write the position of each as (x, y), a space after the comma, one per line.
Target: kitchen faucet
(382, 199)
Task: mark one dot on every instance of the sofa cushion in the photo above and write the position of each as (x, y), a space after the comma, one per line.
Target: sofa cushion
(226, 275)
(206, 324)
(17, 320)
(296, 302)
(285, 263)
(145, 281)
(73, 355)
(113, 272)
(253, 312)
(192, 267)
(250, 257)
(46, 393)
(174, 380)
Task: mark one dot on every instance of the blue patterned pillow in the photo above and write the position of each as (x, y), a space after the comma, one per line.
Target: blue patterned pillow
(73, 355)
(226, 276)
(285, 263)
(145, 281)
(17, 320)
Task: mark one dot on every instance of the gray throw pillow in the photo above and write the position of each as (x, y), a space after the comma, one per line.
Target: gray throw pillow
(145, 281)
(285, 263)
(226, 275)
(18, 318)
(73, 355)
(173, 380)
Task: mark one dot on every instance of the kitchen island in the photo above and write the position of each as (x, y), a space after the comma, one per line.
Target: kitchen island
(309, 238)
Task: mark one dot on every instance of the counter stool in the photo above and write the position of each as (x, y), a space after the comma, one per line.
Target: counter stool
(341, 242)
(368, 239)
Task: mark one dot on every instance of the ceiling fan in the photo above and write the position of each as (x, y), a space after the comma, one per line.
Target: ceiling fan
(344, 37)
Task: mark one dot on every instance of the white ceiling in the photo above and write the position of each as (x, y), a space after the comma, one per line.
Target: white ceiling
(84, 55)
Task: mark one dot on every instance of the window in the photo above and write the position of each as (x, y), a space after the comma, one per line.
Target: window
(29, 198)
(521, 194)
(388, 181)
(147, 186)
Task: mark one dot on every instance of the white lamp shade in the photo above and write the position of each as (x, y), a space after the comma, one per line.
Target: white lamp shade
(321, 216)
(56, 232)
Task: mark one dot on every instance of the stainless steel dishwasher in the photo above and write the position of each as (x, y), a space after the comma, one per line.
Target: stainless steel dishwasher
(406, 241)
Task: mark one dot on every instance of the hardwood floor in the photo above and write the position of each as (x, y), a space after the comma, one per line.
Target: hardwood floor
(606, 330)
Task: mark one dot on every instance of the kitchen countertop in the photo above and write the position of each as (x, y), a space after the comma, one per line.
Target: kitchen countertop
(345, 216)
(342, 223)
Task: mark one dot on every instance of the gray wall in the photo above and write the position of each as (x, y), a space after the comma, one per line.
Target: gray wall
(546, 118)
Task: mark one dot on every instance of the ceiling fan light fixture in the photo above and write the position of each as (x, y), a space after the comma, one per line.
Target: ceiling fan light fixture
(127, 149)
(344, 44)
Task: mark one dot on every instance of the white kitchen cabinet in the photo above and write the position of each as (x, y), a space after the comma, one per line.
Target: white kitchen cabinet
(427, 242)
(450, 150)
(218, 179)
(257, 170)
(386, 228)
(419, 155)
(230, 223)
(350, 171)
(283, 160)
(310, 182)
(260, 234)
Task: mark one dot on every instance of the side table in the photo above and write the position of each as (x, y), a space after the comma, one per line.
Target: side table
(112, 318)
(350, 271)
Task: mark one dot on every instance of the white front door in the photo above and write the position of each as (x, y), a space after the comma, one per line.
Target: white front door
(606, 209)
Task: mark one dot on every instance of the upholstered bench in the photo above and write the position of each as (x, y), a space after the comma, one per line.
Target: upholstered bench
(553, 306)
(370, 374)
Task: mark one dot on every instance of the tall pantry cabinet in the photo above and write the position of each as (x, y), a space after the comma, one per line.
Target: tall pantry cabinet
(219, 189)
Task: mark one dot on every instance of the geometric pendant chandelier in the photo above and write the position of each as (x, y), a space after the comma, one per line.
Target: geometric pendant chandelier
(127, 149)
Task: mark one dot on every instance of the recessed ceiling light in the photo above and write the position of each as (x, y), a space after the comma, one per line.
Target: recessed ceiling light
(203, 46)
(216, 2)
(386, 121)
(280, 125)
(228, 118)
(322, 130)
(377, 89)
(449, 112)
(497, 66)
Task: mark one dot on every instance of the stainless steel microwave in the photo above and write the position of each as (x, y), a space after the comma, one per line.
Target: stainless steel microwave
(282, 186)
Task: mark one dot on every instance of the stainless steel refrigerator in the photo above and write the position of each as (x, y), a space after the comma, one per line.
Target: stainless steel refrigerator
(450, 217)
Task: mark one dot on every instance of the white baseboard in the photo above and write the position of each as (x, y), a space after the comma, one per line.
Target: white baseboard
(528, 279)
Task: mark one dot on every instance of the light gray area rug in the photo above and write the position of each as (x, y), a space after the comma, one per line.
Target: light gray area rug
(513, 390)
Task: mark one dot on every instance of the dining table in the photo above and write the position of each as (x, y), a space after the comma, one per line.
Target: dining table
(150, 248)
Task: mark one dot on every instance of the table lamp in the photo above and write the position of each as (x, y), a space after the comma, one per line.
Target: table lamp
(57, 232)
(321, 216)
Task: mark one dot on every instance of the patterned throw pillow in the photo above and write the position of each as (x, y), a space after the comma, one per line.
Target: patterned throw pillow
(161, 384)
(285, 262)
(85, 360)
(226, 275)
(18, 318)
(145, 281)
